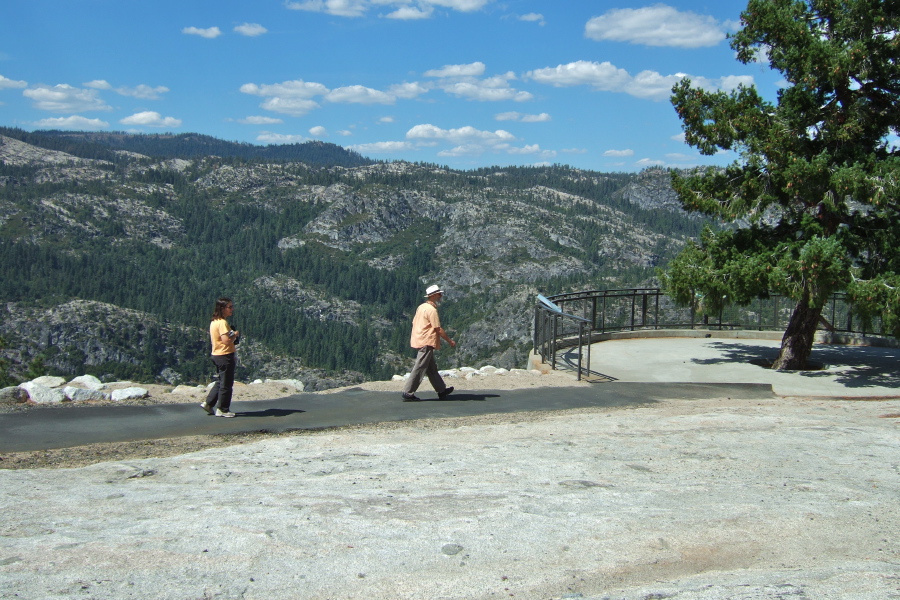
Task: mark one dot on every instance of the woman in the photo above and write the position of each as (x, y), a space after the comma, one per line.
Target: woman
(223, 338)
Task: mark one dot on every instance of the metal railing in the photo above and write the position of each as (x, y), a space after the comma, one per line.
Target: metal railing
(567, 320)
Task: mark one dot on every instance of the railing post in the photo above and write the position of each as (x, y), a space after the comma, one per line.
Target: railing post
(632, 309)
(580, 346)
(553, 347)
(603, 316)
(656, 312)
(643, 310)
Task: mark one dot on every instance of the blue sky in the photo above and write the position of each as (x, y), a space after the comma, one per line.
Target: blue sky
(463, 83)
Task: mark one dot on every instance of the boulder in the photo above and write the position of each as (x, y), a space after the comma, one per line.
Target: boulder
(294, 383)
(49, 381)
(13, 395)
(88, 382)
(129, 393)
(41, 394)
(77, 394)
(188, 389)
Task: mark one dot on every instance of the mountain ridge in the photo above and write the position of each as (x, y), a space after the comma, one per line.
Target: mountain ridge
(327, 263)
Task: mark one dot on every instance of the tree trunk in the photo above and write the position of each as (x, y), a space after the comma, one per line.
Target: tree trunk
(797, 342)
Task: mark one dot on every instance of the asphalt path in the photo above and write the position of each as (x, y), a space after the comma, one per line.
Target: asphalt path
(66, 427)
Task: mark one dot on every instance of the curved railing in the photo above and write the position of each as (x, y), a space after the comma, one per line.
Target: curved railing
(577, 318)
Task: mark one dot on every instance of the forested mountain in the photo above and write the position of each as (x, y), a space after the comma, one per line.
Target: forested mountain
(110, 146)
(111, 258)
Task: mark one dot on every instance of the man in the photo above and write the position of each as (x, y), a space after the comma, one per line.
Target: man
(426, 337)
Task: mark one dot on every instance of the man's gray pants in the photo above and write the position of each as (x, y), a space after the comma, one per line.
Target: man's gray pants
(425, 365)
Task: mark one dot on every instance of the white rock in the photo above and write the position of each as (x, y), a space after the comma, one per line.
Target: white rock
(77, 394)
(399, 377)
(119, 384)
(294, 383)
(187, 389)
(501, 371)
(49, 381)
(88, 382)
(41, 394)
(451, 373)
(488, 369)
(129, 393)
(531, 373)
(467, 370)
(256, 382)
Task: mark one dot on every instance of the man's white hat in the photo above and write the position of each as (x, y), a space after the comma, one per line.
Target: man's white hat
(433, 289)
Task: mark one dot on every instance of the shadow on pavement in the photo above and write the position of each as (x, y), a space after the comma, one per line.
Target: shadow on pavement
(269, 412)
(458, 397)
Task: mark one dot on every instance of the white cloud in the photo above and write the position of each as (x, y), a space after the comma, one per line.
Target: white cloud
(467, 133)
(208, 33)
(65, 98)
(255, 120)
(574, 150)
(608, 78)
(339, 8)
(98, 84)
(523, 118)
(475, 69)
(649, 162)
(149, 118)
(486, 90)
(289, 97)
(11, 83)
(402, 9)
(386, 120)
(534, 18)
(295, 107)
(619, 153)
(290, 89)
(318, 131)
(460, 5)
(142, 91)
(462, 81)
(344, 132)
(411, 13)
(407, 90)
(251, 29)
(679, 137)
(357, 94)
(74, 122)
(469, 141)
(657, 25)
(295, 98)
(604, 76)
(268, 137)
(382, 147)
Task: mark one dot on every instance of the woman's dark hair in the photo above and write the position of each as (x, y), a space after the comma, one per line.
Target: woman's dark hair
(221, 305)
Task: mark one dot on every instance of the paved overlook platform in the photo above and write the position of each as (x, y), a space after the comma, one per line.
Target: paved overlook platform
(665, 357)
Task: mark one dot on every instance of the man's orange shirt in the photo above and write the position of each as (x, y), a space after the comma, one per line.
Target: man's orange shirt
(424, 327)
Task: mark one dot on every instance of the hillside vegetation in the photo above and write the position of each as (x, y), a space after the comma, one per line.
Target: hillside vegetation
(114, 246)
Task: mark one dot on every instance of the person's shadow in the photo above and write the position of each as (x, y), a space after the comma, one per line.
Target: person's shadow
(269, 412)
(458, 397)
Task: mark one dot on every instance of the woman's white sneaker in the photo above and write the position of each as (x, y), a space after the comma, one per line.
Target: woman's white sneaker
(226, 413)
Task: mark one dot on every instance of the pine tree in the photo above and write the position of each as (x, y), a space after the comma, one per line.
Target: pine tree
(818, 177)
